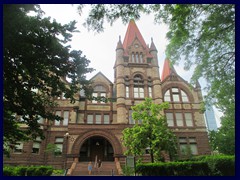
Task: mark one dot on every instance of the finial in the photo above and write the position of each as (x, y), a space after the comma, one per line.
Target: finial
(119, 38)
(151, 39)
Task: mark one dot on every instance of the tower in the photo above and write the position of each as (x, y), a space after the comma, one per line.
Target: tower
(136, 72)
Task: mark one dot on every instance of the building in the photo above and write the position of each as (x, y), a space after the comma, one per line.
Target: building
(210, 119)
(93, 129)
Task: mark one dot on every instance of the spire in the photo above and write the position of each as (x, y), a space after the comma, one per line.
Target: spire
(197, 84)
(152, 47)
(167, 69)
(131, 34)
(119, 44)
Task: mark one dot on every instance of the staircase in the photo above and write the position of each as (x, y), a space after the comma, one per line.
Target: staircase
(108, 169)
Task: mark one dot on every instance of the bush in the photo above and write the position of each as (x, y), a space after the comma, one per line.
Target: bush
(8, 171)
(128, 171)
(221, 165)
(29, 171)
(21, 170)
(217, 165)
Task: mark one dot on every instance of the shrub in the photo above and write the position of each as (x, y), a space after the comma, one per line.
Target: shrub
(8, 171)
(217, 165)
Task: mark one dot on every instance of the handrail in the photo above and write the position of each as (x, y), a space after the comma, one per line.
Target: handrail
(73, 166)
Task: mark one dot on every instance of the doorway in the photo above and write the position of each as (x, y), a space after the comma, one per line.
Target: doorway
(96, 147)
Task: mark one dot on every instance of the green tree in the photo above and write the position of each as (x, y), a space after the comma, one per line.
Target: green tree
(202, 35)
(152, 133)
(223, 140)
(37, 59)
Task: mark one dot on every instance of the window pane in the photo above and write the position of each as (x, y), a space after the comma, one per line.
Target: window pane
(179, 119)
(176, 97)
(167, 93)
(137, 58)
(98, 119)
(192, 140)
(59, 140)
(150, 91)
(36, 145)
(18, 147)
(59, 147)
(94, 95)
(170, 119)
(90, 119)
(182, 140)
(132, 57)
(188, 118)
(184, 96)
(135, 92)
(65, 116)
(193, 148)
(131, 121)
(141, 92)
(106, 119)
(183, 149)
(127, 92)
(58, 113)
(141, 58)
(167, 96)
(103, 95)
(174, 90)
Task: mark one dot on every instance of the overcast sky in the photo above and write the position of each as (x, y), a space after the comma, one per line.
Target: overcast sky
(100, 48)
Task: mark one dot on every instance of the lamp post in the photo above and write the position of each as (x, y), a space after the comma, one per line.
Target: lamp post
(66, 136)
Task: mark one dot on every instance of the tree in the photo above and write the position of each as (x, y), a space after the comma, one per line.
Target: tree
(223, 140)
(202, 35)
(37, 60)
(152, 133)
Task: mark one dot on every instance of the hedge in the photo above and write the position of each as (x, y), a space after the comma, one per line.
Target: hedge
(27, 170)
(217, 165)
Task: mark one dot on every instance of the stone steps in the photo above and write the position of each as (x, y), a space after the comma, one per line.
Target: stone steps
(108, 169)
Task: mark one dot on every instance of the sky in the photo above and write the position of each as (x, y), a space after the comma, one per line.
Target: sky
(100, 48)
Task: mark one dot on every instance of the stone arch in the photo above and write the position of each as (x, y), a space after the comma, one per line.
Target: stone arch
(117, 148)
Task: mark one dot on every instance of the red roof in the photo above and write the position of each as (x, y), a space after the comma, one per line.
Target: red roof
(132, 32)
(167, 69)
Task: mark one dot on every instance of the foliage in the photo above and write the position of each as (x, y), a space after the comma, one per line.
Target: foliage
(203, 166)
(37, 60)
(128, 171)
(53, 149)
(27, 170)
(223, 140)
(202, 35)
(39, 171)
(153, 133)
(58, 172)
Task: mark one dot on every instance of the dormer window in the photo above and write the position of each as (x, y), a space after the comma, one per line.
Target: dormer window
(99, 91)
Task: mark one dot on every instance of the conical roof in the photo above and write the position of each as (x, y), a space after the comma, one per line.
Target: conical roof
(131, 34)
(167, 69)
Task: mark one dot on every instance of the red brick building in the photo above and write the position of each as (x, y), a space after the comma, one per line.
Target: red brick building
(95, 128)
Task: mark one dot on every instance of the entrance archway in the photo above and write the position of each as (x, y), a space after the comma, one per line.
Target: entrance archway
(96, 147)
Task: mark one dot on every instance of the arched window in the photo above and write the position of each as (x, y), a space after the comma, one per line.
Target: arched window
(133, 57)
(137, 60)
(141, 58)
(176, 95)
(138, 89)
